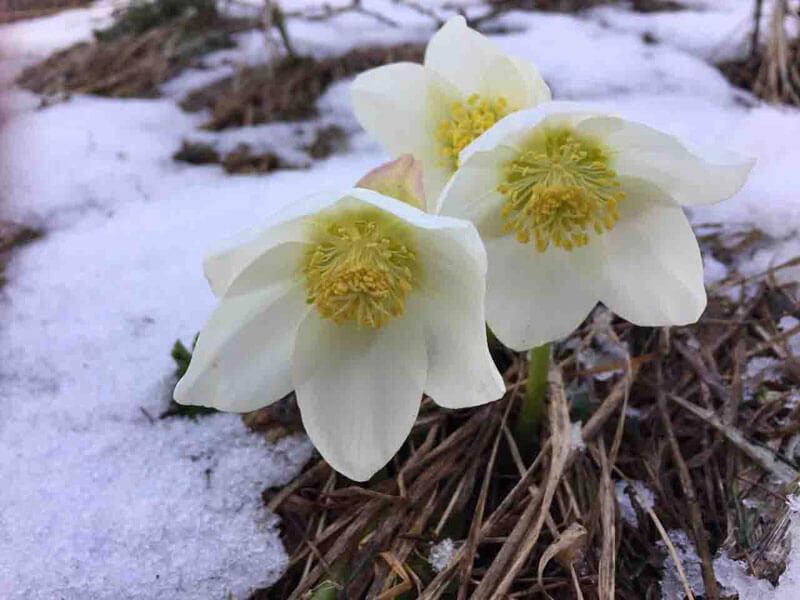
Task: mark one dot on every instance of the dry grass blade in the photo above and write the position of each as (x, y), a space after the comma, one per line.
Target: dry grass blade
(525, 535)
(700, 533)
(687, 588)
(764, 457)
(461, 484)
(605, 583)
(568, 546)
(471, 546)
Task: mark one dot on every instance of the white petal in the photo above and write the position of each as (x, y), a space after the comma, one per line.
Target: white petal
(475, 65)
(653, 272)
(472, 192)
(400, 105)
(535, 297)
(537, 90)
(242, 358)
(286, 226)
(435, 178)
(688, 177)
(461, 372)
(358, 390)
(514, 130)
(413, 216)
(461, 55)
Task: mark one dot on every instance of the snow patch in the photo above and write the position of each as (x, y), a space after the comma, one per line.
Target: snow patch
(644, 496)
(671, 584)
(441, 554)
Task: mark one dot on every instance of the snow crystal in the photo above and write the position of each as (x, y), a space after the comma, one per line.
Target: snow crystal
(644, 496)
(792, 400)
(732, 576)
(787, 323)
(671, 584)
(714, 271)
(631, 412)
(763, 368)
(575, 437)
(441, 554)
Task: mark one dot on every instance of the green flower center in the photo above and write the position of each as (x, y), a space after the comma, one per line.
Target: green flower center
(559, 189)
(467, 121)
(360, 269)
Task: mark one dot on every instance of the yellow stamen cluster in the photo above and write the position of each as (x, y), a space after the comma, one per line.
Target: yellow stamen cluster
(360, 270)
(559, 189)
(466, 123)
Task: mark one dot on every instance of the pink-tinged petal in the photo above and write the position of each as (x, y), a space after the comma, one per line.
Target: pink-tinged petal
(400, 179)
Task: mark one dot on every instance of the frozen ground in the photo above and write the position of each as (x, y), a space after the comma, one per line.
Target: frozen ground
(96, 500)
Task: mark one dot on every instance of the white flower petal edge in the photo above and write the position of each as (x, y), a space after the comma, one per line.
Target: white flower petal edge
(450, 304)
(402, 105)
(513, 130)
(358, 391)
(647, 267)
(358, 388)
(241, 361)
(285, 226)
(475, 187)
(689, 177)
(534, 298)
(537, 90)
(391, 103)
(474, 64)
(651, 263)
(453, 315)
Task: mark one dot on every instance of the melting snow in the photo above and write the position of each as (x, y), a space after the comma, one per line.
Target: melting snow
(96, 498)
(441, 554)
(644, 496)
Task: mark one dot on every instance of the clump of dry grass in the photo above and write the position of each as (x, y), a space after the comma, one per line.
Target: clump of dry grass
(132, 60)
(16, 10)
(243, 159)
(709, 439)
(772, 71)
(289, 89)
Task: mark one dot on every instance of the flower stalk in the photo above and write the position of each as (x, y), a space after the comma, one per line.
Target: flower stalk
(533, 402)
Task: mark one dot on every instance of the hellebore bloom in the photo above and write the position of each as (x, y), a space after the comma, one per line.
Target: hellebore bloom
(359, 302)
(576, 208)
(433, 111)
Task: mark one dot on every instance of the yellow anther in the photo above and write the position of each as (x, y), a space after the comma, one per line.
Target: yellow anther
(360, 269)
(559, 189)
(467, 122)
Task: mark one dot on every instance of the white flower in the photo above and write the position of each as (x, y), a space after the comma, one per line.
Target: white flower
(433, 111)
(576, 208)
(359, 303)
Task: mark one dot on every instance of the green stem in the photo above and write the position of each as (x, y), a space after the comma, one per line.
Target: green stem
(530, 417)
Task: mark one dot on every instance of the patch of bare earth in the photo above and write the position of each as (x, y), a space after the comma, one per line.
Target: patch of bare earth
(772, 69)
